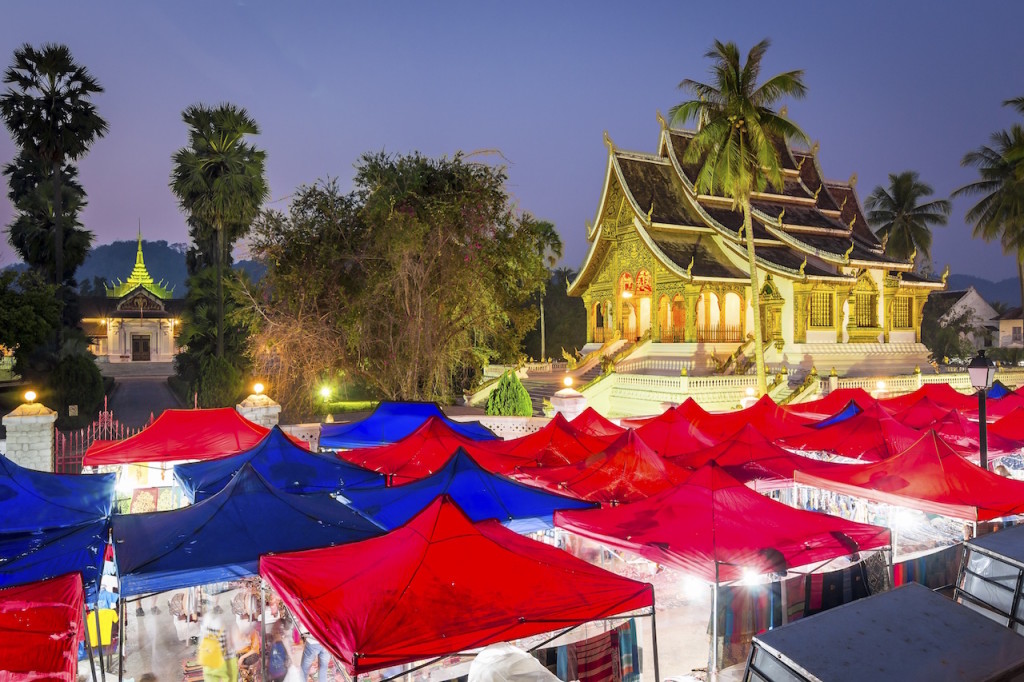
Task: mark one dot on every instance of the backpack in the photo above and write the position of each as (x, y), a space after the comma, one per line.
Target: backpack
(278, 665)
(210, 654)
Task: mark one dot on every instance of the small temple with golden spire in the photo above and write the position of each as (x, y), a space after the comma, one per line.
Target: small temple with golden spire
(137, 320)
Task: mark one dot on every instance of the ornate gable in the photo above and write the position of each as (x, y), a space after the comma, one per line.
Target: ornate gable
(142, 301)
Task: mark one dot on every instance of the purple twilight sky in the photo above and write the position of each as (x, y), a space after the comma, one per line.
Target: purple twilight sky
(891, 86)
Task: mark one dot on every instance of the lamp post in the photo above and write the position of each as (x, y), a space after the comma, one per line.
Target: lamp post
(982, 371)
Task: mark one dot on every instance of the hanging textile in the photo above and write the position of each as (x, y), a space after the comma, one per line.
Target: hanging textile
(934, 570)
(597, 658)
(629, 654)
(828, 590)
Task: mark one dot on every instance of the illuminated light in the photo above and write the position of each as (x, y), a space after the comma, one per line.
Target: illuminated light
(903, 519)
(257, 388)
(750, 391)
(567, 382)
(325, 392)
(30, 396)
(750, 577)
(693, 588)
(880, 385)
(627, 294)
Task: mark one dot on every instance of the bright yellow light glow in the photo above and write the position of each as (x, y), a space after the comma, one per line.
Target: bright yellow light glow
(750, 391)
(257, 388)
(627, 294)
(567, 381)
(325, 392)
(30, 396)
(880, 385)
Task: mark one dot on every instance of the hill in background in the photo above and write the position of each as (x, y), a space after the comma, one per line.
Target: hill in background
(1004, 291)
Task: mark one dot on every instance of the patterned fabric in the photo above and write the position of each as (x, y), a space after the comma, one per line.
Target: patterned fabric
(597, 659)
(935, 570)
(629, 655)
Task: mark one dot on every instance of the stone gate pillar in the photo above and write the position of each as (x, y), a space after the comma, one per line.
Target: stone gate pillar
(260, 409)
(30, 436)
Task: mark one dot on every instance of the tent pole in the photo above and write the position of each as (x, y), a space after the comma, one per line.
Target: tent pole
(892, 566)
(713, 665)
(120, 641)
(88, 644)
(263, 631)
(654, 637)
(99, 637)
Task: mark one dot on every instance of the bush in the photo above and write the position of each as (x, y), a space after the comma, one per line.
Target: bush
(76, 380)
(220, 383)
(509, 398)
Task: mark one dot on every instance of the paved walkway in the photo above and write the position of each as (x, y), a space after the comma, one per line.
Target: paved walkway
(135, 398)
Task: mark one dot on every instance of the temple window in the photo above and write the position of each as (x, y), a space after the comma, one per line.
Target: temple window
(822, 309)
(901, 313)
(866, 309)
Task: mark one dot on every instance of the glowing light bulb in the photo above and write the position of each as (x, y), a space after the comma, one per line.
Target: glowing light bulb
(30, 396)
(257, 388)
(325, 392)
(567, 381)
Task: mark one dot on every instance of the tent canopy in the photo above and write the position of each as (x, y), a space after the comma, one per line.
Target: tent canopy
(941, 394)
(390, 422)
(591, 423)
(961, 434)
(1011, 426)
(439, 585)
(871, 435)
(285, 465)
(40, 625)
(921, 414)
(480, 494)
(714, 527)
(555, 444)
(222, 537)
(27, 557)
(852, 409)
(832, 403)
(32, 500)
(677, 431)
(764, 415)
(928, 476)
(182, 434)
(627, 471)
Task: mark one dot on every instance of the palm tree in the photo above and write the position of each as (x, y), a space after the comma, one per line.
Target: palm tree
(549, 246)
(49, 113)
(219, 180)
(999, 214)
(900, 220)
(734, 143)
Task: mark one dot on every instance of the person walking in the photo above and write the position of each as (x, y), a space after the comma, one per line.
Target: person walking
(314, 650)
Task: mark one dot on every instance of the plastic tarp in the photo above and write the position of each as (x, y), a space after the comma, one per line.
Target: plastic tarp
(930, 477)
(27, 557)
(942, 394)
(832, 403)
(676, 431)
(439, 585)
(591, 423)
(480, 494)
(555, 444)
(960, 433)
(423, 452)
(180, 435)
(627, 471)
(872, 435)
(222, 537)
(503, 662)
(40, 625)
(921, 414)
(750, 456)
(285, 465)
(391, 422)
(716, 528)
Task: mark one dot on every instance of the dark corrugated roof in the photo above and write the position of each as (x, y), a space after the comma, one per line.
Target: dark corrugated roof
(787, 258)
(914, 277)
(796, 214)
(708, 258)
(1012, 314)
(651, 182)
(852, 210)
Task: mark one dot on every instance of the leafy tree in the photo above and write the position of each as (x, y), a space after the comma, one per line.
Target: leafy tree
(49, 113)
(509, 398)
(735, 144)
(76, 380)
(408, 285)
(900, 220)
(944, 331)
(29, 316)
(219, 181)
(566, 327)
(549, 246)
(999, 213)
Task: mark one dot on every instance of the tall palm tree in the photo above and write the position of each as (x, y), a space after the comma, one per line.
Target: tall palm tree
(549, 246)
(49, 112)
(219, 180)
(734, 144)
(900, 220)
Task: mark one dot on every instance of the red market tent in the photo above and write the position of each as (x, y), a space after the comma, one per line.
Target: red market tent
(832, 403)
(40, 626)
(871, 435)
(1011, 426)
(627, 471)
(764, 415)
(182, 434)
(942, 394)
(996, 408)
(961, 434)
(677, 431)
(931, 477)
(921, 414)
(591, 423)
(749, 456)
(423, 452)
(439, 585)
(557, 443)
(714, 527)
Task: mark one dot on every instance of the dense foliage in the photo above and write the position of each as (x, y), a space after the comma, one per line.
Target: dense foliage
(900, 218)
(75, 380)
(945, 330)
(509, 398)
(408, 285)
(565, 321)
(29, 316)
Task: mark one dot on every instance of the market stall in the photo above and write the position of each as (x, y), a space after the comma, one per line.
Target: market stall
(391, 422)
(991, 579)
(40, 627)
(591, 423)
(870, 435)
(832, 403)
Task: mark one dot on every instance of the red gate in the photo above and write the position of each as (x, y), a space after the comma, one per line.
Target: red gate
(69, 446)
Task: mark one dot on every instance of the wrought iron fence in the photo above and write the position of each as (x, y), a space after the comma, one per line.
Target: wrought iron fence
(69, 446)
(720, 334)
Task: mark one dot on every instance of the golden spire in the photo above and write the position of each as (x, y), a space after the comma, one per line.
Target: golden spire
(843, 205)
(608, 142)
(853, 180)
(945, 275)
(689, 268)
(782, 214)
(817, 191)
(913, 255)
(802, 267)
(846, 256)
(661, 121)
(650, 212)
(815, 147)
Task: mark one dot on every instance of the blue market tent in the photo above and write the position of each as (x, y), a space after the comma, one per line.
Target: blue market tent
(479, 493)
(998, 390)
(284, 465)
(391, 422)
(223, 537)
(852, 409)
(52, 524)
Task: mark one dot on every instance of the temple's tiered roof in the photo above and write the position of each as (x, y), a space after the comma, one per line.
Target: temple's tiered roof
(809, 229)
(139, 277)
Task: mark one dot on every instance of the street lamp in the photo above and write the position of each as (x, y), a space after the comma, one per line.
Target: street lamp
(982, 371)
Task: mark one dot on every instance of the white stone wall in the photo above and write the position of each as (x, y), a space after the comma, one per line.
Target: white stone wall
(30, 436)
